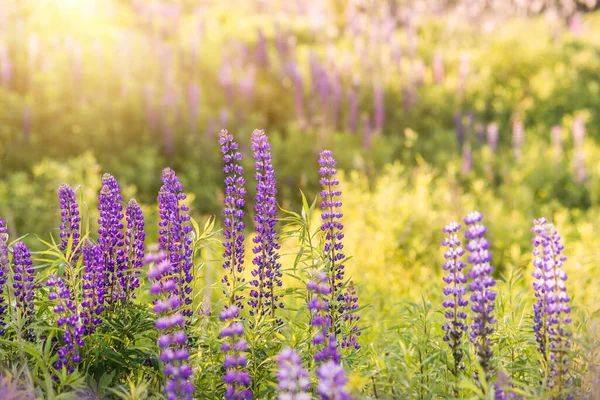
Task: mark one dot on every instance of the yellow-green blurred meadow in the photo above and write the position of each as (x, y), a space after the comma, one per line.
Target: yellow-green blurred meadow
(431, 109)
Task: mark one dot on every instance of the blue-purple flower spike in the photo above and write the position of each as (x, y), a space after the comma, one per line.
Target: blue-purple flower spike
(454, 303)
(66, 310)
(482, 297)
(93, 287)
(4, 268)
(111, 238)
(69, 220)
(267, 275)
(234, 346)
(134, 242)
(233, 212)
(350, 331)
(171, 324)
(332, 382)
(174, 231)
(293, 381)
(332, 227)
(557, 309)
(541, 256)
(24, 286)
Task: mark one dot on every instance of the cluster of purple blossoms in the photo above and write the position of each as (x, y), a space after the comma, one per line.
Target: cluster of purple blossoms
(24, 286)
(234, 347)
(318, 305)
(69, 221)
(134, 242)
(93, 287)
(332, 381)
(234, 214)
(293, 379)
(482, 297)
(175, 239)
(455, 302)
(333, 246)
(348, 311)
(552, 310)
(171, 324)
(267, 275)
(66, 309)
(3, 271)
(111, 238)
(541, 255)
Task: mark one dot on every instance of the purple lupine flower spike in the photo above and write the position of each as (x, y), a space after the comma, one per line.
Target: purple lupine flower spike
(4, 269)
(267, 275)
(174, 235)
(111, 238)
(352, 109)
(540, 258)
(134, 242)
(293, 379)
(23, 286)
(332, 227)
(455, 302)
(348, 310)
(234, 347)
(557, 310)
(482, 297)
(379, 108)
(234, 215)
(319, 290)
(492, 136)
(69, 221)
(332, 382)
(171, 324)
(66, 310)
(459, 129)
(93, 286)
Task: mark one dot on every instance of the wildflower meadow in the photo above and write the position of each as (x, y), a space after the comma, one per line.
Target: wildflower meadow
(299, 200)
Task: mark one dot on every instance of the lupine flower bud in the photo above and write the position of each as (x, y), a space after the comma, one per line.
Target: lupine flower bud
(66, 311)
(23, 286)
(174, 235)
(267, 275)
(454, 302)
(482, 297)
(293, 379)
(171, 323)
(69, 221)
(4, 269)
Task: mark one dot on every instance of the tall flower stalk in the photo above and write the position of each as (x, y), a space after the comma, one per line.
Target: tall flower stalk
(4, 268)
(111, 238)
(24, 287)
(482, 297)
(93, 287)
(557, 308)
(541, 256)
(455, 302)
(171, 324)
(234, 345)
(69, 222)
(134, 243)
(233, 213)
(333, 247)
(267, 275)
(66, 310)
